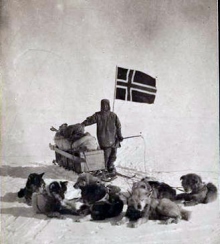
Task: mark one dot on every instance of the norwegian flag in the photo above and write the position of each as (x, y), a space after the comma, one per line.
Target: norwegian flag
(135, 86)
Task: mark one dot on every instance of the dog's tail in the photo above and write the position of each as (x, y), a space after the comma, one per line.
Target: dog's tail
(211, 194)
(21, 193)
(185, 214)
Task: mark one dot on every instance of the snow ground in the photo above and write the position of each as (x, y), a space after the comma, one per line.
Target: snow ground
(20, 225)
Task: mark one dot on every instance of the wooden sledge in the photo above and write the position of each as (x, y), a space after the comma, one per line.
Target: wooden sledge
(79, 162)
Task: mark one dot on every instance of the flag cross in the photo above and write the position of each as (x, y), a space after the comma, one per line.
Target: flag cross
(135, 86)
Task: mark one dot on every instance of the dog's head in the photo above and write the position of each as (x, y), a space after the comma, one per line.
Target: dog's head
(93, 193)
(113, 190)
(139, 200)
(35, 182)
(142, 186)
(140, 196)
(191, 182)
(85, 179)
(57, 189)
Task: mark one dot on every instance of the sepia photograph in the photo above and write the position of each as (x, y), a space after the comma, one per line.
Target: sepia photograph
(109, 114)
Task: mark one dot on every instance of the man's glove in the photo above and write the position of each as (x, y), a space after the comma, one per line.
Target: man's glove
(119, 135)
(120, 139)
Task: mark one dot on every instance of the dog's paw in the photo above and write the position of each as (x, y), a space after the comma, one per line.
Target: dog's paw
(122, 221)
(186, 204)
(189, 203)
(28, 202)
(81, 219)
(172, 221)
(133, 224)
(61, 217)
(117, 223)
(55, 215)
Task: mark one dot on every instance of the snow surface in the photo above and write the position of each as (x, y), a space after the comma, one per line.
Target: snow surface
(20, 225)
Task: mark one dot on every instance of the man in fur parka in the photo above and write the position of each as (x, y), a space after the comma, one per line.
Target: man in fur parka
(108, 133)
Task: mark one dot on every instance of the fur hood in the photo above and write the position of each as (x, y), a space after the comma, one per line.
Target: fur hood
(105, 105)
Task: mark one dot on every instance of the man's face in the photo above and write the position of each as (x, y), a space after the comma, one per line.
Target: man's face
(105, 107)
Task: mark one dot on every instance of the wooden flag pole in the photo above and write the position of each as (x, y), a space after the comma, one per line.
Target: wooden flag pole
(116, 74)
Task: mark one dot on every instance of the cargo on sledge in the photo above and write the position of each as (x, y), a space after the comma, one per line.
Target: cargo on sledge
(79, 161)
(76, 149)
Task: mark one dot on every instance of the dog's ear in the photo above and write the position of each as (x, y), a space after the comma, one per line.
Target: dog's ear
(134, 185)
(41, 175)
(182, 177)
(30, 176)
(64, 183)
(53, 185)
(199, 178)
(150, 192)
(146, 178)
(130, 193)
(82, 183)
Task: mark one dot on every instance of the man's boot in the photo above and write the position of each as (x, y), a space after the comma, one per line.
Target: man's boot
(112, 171)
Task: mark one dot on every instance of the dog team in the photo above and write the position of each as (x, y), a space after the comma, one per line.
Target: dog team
(147, 199)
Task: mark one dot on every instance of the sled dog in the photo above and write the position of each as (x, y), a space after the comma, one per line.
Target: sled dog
(33, 184)
(161, 189)
(196, 191)
(51, 200)
(99, 201)
(144, 205)
(109, 207)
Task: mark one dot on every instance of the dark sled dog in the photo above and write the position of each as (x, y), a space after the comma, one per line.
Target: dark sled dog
(92, 189)
(90, 194)
(33, 184)
(98, 200)
(161, 189)
(143, 205)
(109, 207)
(196, 191)
(50, 200)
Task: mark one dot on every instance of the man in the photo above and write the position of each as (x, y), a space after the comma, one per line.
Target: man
(108, 133)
